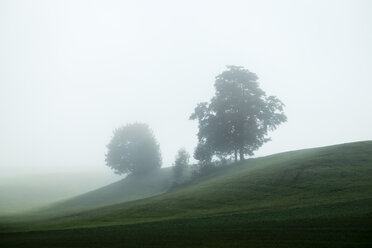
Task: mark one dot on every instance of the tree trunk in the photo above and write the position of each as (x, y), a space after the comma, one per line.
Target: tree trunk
(236, 155)
(241, 154)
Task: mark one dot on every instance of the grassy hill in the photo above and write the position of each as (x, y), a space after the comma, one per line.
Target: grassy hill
(128, 189)
(315, 197)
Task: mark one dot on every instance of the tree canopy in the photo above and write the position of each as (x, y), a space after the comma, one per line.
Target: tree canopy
(238, 118)
(133, 149)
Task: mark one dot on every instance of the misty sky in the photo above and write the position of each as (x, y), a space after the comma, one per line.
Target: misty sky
(72, 71)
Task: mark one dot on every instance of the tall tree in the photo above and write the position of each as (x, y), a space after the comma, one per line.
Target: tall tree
(238, 117)
(180, 164)
(133, 149)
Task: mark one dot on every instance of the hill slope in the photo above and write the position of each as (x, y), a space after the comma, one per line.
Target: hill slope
(318, 197)
(128, 189)
(23, 192)
(315, 183)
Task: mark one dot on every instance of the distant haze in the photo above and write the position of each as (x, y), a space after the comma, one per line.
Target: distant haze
(72, 71)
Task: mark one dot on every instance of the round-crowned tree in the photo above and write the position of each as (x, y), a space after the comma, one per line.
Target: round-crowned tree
(237, 119)
(133, 149)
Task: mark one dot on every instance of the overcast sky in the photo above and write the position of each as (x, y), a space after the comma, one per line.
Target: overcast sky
(72, 71)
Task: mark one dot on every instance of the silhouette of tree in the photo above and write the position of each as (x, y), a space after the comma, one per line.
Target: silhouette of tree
(133, 149)
(237, 119)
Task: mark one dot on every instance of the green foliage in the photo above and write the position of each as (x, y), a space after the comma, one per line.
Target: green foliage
(238, 117)
(133, 149)
(181, 164)
(204, 153)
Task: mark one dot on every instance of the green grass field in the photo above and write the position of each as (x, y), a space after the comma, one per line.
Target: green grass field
(128, 189)
(319, 197)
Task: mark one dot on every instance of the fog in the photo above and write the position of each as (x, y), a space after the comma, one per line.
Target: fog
(72, 71)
